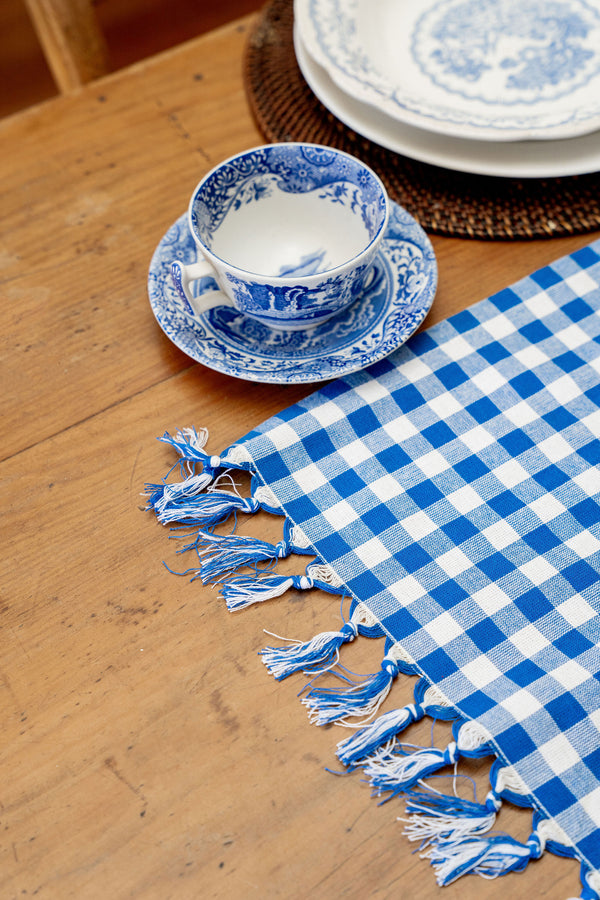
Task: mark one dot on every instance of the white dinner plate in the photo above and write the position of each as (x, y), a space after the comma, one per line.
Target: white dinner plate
(497, 70)
(514, 159)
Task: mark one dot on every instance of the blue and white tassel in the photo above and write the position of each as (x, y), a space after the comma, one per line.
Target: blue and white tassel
(491, 856)
(360, 700)
(203, 508)
(201, 500)
(590, 883)
(221, 554)
(396, 771)
(428, 702)
(244, 590)
(436, 816)
(186, 501)
(175, 495)
(189, 444)
(320, 653)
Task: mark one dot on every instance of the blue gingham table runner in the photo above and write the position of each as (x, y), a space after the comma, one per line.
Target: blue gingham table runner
(452, 491)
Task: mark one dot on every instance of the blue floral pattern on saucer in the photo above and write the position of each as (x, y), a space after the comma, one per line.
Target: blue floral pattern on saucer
(294, 169)
(399, 293)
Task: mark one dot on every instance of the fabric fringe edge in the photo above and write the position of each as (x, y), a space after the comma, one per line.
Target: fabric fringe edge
(453, 833)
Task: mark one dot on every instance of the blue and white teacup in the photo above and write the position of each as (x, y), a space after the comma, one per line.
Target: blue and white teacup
(288, 231)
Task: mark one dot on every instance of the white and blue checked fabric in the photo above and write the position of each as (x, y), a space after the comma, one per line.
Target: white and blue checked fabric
(455, 490)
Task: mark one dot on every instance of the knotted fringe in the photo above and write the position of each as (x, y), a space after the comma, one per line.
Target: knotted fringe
(198, 500)
(436, 817)
(428, 702)
(398, 771)
(192, 503)
(225, 553)
(168, 499)
(590, 884)
(495, 855)
(320, 653)
(360, 700)
(490, 857)
(244, 590)
(395, 771)
(190, 443)
(452, 832)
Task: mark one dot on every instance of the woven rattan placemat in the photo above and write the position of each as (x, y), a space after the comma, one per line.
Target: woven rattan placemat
(443, 201)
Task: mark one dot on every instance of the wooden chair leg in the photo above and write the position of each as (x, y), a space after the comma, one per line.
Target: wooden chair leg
(71, 39)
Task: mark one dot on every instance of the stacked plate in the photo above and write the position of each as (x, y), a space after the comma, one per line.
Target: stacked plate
(492, 87)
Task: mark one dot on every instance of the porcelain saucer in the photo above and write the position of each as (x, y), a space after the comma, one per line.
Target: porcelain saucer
(397, 298)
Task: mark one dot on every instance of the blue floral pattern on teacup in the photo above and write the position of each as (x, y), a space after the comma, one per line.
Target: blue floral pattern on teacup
(299, 168)
(398, 292)
(274, 303)
(290, 231)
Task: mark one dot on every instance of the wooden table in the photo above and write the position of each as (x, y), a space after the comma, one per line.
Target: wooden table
(146, 752)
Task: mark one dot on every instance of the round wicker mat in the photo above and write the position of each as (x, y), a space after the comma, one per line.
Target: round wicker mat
(442, 201)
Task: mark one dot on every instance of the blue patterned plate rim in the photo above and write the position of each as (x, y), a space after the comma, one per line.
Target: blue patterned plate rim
(508, 159)
(399, 295)
(482, 69)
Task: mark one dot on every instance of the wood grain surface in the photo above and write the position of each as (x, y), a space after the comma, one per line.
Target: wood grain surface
(146, 752)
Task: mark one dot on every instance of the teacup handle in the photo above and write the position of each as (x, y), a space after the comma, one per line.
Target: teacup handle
(184, 275)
